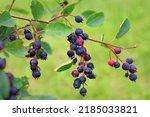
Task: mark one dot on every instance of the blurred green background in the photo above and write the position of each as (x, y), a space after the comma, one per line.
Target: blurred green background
(110, 83)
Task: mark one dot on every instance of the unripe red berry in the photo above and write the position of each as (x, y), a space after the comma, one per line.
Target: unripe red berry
(117, 50)
(111, 62)
(75, 73)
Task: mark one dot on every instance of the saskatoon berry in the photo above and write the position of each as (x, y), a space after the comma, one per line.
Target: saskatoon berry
(77, 83)
(125, 66)
(90, 65)
(75, 73)
(70, 53)
(73, 46)
(133, 77)
(80, 69)
(36, 45)
(83, 91)
(1, 45)
(36, 74)
(80, 51)
(117, 50)
(88, 71)
(87, 57)
(43, 55)
(13, 91)
(26, 31)
(2, 63)
(33, 67)
(79, 41)
(31, 52)
(129, 60)
(28, 36)
(10, 77)
(84, 36)
(72, 38)
(78, 31)
(78, 19)
(12, 37)
(111, 62)
(116, 64)
(91, 76)
(82, 79)
(75, 60)
(132, 69)
(34, 62)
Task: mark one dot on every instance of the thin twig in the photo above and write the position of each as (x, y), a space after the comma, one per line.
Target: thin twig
(12, 3)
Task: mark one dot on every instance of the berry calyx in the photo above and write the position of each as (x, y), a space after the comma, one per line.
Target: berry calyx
(78, 19)
(116, 64)
(117, 50)
(43, 55)
(75, 73)
(129, 60)
(83, 91)
(36, 45)
(133, 77)
(111, 62)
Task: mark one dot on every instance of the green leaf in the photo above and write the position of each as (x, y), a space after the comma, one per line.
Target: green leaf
(46, 47)
(37, 9)
(4, 85)
(37, 97)
(96, 19)
(64, 66)
(6, 20)
(16, 48)
(124, 28)
(68, 10)
(5, 32)
(87, 13)
(58, 29)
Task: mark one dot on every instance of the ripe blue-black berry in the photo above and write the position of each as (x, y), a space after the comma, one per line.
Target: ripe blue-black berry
(72, 38)
(78, 19)
(10, 77)
(117, 50)
(111, 62)
(125, 66)
(88, 71)
(36, 45)
(91, 76)
(27, 31)
(129, 60)
(33, 67)
(75, 73)
(43, 55)
(90, 65)
(12, 37)
(84, 36)
(73, 46)
(70, 53)
(133, 77)
(13, 91)
(31, 52)
(132, 69)
(28, 36)
(87, 57)
(116, 64)
(75, 60)
(36, 74)
(76, 83)
(34, 62)
(79, 41)
(1, 45)
(2, 63)
(78, 31)
(82, 79)
(83, 91)
(80, 51)
(80, 69)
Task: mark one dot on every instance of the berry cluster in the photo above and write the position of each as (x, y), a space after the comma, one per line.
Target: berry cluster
(84, 69)
(35, 51)
(127, 66)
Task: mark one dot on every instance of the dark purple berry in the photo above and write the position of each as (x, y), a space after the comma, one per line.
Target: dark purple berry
(78, 19)
(28, 36)
(1, 45)
(12, 37)
(13, 91)
(84, 36)
(79, 41)
(36, 74)
(2, 63)
(90, 65)
(27, 31)
(132, 69)
(78, 31)
(75, 73)
(70, 53)
(13, 97)
(43, 55)
(10, 77)
(33, 67)
(34, 62)
(88, 71)
(133, 77)
(73, 46)
(75, 60)
(126, 74)
(91, 76)
(83, 91)
(36, 45)
(82, 79)
(129, 60)
(80, 69)
(31, 52)
(117, 50)
(72, 38)
(76, 83)
(87, 57)
(116, 64)
(125, 66)
(80, 51)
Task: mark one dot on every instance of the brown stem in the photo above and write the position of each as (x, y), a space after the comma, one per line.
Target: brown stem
(12, 3)
(35, 31)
